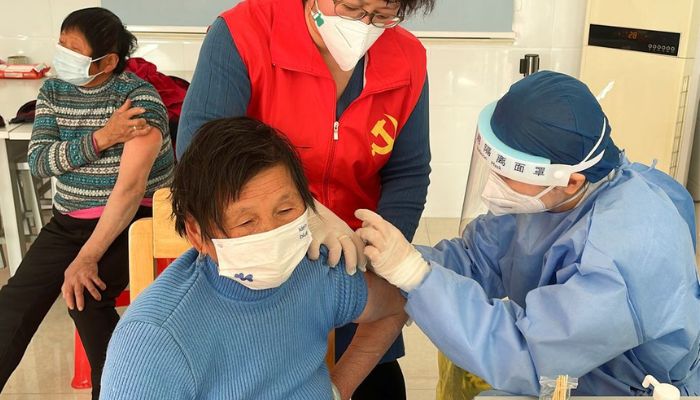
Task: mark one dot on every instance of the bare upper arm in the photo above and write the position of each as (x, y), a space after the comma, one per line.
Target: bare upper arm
(137, 159)
(383, 299)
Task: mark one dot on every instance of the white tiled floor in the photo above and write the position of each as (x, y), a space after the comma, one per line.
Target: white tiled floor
(46, 369)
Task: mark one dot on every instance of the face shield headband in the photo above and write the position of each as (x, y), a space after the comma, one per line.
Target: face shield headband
(523, 167)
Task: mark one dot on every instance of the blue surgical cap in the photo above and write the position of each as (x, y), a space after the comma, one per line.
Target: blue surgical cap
(555, 116)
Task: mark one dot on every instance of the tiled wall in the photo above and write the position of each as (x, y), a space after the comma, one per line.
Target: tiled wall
(467, 75)
(32, 28)
(464, 75)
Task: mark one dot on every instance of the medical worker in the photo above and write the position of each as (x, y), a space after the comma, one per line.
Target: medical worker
(584, 264)
(348, 86)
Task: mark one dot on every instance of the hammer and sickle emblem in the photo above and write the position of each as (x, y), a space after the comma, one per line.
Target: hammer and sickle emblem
(379, 131)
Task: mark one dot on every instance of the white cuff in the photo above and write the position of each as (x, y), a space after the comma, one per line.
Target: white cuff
(336, 392)
(411, 272)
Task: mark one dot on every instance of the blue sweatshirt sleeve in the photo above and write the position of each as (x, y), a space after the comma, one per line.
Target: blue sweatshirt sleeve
(349, 293)
(406, 175)
(145, 362)
(478, 252)
(220, 86)
(570, 327)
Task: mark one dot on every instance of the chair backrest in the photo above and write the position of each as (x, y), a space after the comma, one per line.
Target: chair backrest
(151, 239)
(155, 238)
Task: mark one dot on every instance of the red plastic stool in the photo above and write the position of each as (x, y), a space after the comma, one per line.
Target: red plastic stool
(82, 370)
(81, 377)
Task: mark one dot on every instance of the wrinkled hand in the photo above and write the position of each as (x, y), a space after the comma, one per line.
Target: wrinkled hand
(391, 256)
(122, 126)
(80, 275)
(329, 230)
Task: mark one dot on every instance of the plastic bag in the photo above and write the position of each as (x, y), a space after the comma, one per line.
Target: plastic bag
(558, 388)
(455, 383)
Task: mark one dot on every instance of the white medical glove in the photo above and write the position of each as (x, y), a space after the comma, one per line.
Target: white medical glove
(391, 256)
(328, 229)
(336, 392)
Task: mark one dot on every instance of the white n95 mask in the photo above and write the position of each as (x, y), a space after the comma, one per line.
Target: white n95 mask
(346, 40)
(501, 199)
(264, 260)
(73, 67)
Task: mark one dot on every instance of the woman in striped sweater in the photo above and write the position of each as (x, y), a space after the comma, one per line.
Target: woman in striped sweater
(103, 133)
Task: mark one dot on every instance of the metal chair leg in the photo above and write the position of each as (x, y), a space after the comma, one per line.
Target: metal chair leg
(31, 199)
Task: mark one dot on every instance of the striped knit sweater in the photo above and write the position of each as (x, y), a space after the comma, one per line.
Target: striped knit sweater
(196, 335)
(62, 144)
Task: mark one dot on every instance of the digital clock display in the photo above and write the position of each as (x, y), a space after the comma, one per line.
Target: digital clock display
(643, 40)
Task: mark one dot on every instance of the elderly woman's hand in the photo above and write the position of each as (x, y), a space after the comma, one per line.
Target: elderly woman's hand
(122, 126)
(81, 275)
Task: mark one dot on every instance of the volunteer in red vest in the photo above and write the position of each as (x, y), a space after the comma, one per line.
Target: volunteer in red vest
(348, 86)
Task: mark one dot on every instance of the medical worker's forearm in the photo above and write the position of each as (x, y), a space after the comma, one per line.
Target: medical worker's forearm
(370, 343)
(477, 333)
(476, 254)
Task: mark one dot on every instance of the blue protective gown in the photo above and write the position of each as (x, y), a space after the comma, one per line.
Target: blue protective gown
(607, 292)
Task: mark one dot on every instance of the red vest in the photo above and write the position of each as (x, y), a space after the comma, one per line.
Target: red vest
(293, 91)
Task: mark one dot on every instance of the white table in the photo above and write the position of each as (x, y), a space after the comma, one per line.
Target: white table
(9, 197)
(13, 140)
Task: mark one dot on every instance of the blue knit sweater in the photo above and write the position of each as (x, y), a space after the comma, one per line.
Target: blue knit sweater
(196, 335)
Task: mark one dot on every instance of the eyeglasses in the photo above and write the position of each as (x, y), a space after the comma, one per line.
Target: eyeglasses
(355, 13)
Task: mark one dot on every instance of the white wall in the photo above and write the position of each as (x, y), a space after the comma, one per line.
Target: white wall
(34, 33)
(467, 75)
(464, 74)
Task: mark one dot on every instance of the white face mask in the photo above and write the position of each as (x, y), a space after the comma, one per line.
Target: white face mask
(501, 199)
(73, 67)
(264, 260)
(346, 40)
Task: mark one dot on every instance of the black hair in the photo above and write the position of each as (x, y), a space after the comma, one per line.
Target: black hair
(104, 32)
(409, 7)
(225, 155)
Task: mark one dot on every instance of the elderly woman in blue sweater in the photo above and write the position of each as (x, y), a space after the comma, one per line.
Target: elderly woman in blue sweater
(244, 314)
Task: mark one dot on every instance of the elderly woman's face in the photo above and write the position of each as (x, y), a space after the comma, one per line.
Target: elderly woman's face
(74, 40)
(266, 202)
(269, 200)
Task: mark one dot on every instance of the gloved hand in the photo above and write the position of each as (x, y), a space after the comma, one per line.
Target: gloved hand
(328, 229)
(336, 392)
(389, 253)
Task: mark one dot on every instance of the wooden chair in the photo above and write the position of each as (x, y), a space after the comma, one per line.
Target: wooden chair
(152, 239)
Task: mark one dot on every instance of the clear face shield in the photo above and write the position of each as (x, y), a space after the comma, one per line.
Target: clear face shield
(491, 154)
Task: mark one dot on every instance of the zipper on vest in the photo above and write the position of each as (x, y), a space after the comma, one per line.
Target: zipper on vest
(329, 163)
